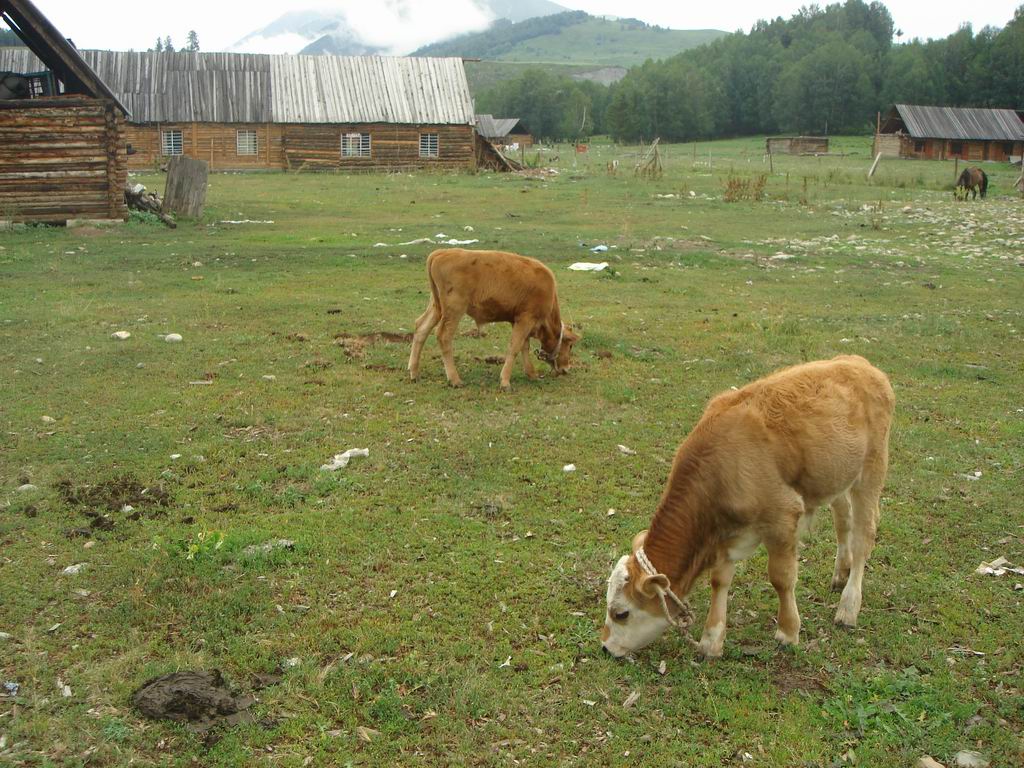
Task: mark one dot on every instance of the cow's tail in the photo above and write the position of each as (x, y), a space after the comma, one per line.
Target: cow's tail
(435, 297)
(984, 183)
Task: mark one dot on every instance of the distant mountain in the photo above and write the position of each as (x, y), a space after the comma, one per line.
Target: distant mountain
(349, 32)
(573, 37)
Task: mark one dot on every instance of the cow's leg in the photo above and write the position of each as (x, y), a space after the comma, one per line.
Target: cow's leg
(445, 335)
(531, 372)
(713, 638)
(782, 574)
(479, 331)
(864, 496)
(424, 325)
(841, 515)
(520, 335)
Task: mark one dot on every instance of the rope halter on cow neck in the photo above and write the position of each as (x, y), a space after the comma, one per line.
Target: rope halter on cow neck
(684, 619)
(550, 357)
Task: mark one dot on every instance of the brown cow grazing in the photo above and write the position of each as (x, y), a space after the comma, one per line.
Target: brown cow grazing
(493, 287)
(758, 464)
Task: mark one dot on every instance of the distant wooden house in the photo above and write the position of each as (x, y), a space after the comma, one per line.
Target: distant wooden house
(796, 145)
(940, 133)
(62, 145)
(257, 111)
(503, 131)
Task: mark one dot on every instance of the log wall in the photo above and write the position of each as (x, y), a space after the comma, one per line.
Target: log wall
(304, 146)
(901, 145)
(62, 158)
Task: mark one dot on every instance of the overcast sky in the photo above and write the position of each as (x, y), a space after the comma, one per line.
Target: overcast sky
(402, 25)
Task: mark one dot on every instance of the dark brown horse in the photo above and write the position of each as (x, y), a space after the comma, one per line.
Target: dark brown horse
(972, 180)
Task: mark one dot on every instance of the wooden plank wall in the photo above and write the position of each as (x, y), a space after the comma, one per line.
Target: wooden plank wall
(216, 143)
(392, 147)
(305, 146)
(63, 159)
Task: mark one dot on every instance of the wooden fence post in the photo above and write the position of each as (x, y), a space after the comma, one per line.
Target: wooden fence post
(874, 165)
(185, 192)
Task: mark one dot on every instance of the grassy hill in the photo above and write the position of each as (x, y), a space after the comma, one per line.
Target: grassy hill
(573, 38)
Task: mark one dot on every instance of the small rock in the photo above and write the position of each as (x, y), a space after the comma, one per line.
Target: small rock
(294, 661)
(967, 758)
(625, 451)
(268, 546)
(269, 377)
(172, 338)
(140, 365)
(48, 419)
(10, 688)
(569, 468)
(73, 570)
(5, 636)
(27, 488)
(175, 456)
(927, 761)
(120, 335)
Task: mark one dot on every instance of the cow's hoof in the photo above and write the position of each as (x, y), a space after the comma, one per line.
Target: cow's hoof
(506, 388)
(839, 583)
(845, 619)
(786, 639)
(456, 384)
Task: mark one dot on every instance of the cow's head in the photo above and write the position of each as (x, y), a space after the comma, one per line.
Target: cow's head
(560, 358)
(635, 617)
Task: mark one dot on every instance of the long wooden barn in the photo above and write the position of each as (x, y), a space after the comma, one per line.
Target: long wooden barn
(62, 143)
(253, 111)
(941, 133)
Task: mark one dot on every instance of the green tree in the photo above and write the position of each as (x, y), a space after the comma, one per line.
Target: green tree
(168, 45)
(159, 46)
(192, 43)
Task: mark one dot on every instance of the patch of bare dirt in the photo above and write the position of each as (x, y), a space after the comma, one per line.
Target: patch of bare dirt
(354, 345)
(120, 495)
(789, 679)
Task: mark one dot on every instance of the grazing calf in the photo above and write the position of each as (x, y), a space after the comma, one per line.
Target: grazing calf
(493, 287)
(758, 464)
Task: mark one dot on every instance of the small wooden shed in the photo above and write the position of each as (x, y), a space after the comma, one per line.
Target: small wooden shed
(503, 131)
(796, 145)
(941, 133)
(63, 150)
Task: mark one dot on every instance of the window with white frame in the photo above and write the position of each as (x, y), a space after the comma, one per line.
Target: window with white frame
(428, 145)
(355, 145)
(170, 142)
(246, 142)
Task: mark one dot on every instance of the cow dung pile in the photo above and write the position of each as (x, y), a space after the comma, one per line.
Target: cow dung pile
(201, 700)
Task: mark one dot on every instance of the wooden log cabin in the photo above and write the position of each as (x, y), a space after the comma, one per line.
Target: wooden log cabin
(258, 111)
(62, 135)
(942, 133)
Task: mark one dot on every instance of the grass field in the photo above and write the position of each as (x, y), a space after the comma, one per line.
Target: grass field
(442, 600)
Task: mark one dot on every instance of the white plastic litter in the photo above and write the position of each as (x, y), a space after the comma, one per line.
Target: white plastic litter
(998, 567)
(417, 241)
(569, 468)
(120, 335)
(599, 249)
(453, 241)
(625, 450)
(588, 266)
(244, 221)
(341, 460)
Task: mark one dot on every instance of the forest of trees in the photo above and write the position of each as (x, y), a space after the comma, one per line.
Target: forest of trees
(825, 70)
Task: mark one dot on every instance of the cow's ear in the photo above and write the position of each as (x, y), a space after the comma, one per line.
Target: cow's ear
(571, 337)
(649, 586)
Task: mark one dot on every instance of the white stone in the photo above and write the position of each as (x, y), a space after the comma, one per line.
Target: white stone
(172, 338)
(27, 488)
(120, 335)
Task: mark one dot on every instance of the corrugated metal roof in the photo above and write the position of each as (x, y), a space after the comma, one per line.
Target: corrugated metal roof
(260, 88)
(495, 127)
(966, 123)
